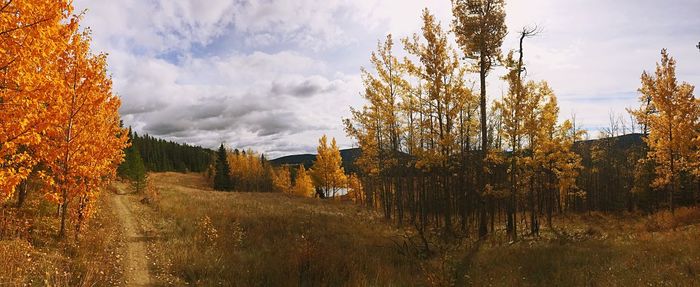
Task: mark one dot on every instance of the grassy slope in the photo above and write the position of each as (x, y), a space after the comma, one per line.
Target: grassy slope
(277, 240)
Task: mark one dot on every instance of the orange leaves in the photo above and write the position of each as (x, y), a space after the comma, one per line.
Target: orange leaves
(85, 144)
(56, 105)
(31, 34)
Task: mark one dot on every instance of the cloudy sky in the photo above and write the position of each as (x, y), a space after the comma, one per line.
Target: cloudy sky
(274, 75)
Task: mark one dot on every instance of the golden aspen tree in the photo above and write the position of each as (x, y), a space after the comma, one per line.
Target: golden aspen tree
(479, 26)
(247, 170)
(512, 108)
(377, 128)
(442, 76)
(355, 191)
(282, 180)
(86, 145)
(33, 33)
(327, 171)
(553, 155)
(303, 185)
(567, 164)
(673, 126)
(532, 172)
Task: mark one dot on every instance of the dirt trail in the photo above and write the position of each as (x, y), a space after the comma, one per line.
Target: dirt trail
(136, 268)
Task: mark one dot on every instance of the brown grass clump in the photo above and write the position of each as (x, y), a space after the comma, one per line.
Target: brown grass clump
(665, 220)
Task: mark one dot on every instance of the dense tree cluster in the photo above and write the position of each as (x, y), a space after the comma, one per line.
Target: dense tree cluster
(59, 121)
(248, 171)
(434, 153)
(160, 155)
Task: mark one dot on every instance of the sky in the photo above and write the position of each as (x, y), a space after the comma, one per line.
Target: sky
(275, 75)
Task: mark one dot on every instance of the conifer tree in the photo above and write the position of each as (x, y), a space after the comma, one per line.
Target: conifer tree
(136, 169)
(222, 176)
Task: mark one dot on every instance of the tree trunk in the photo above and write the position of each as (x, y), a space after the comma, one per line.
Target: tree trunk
(22, 193)
(483, 229)
(64, 210)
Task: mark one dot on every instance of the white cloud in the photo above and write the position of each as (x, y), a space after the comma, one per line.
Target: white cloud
(275, 74)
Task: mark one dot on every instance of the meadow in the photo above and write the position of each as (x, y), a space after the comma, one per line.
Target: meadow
(203, 237)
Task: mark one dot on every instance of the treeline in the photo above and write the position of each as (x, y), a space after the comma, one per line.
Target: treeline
(434, 153)
(60, 132)
(248, 171)
(241, 171)
(160, 155)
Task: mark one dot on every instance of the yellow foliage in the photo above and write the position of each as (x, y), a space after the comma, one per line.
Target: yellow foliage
(327, 172)
(355, 191)
(282, 180)
(303, 186)
(671, 113)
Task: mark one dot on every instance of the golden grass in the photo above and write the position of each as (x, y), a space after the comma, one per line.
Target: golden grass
(32, 255)
(197, 236)
(204, 237)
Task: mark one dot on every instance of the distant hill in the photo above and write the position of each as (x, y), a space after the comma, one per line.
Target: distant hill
(349, 156)
(621, 143)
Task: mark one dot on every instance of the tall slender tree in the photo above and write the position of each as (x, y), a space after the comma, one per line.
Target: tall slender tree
(222, 175)
(672, 129)
(479, 26)
(85, 145)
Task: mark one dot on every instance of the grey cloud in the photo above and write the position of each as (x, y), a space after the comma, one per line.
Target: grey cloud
(207, 110)
(165, 127)
(128, 108)
(304, 88)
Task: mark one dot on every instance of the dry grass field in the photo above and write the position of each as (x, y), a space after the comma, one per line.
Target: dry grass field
(188, 234)
(204, 237)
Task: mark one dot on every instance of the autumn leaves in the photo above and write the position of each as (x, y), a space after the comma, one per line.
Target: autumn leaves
(60, 120)
(435, 152)
(671, 114)
(326, 175)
